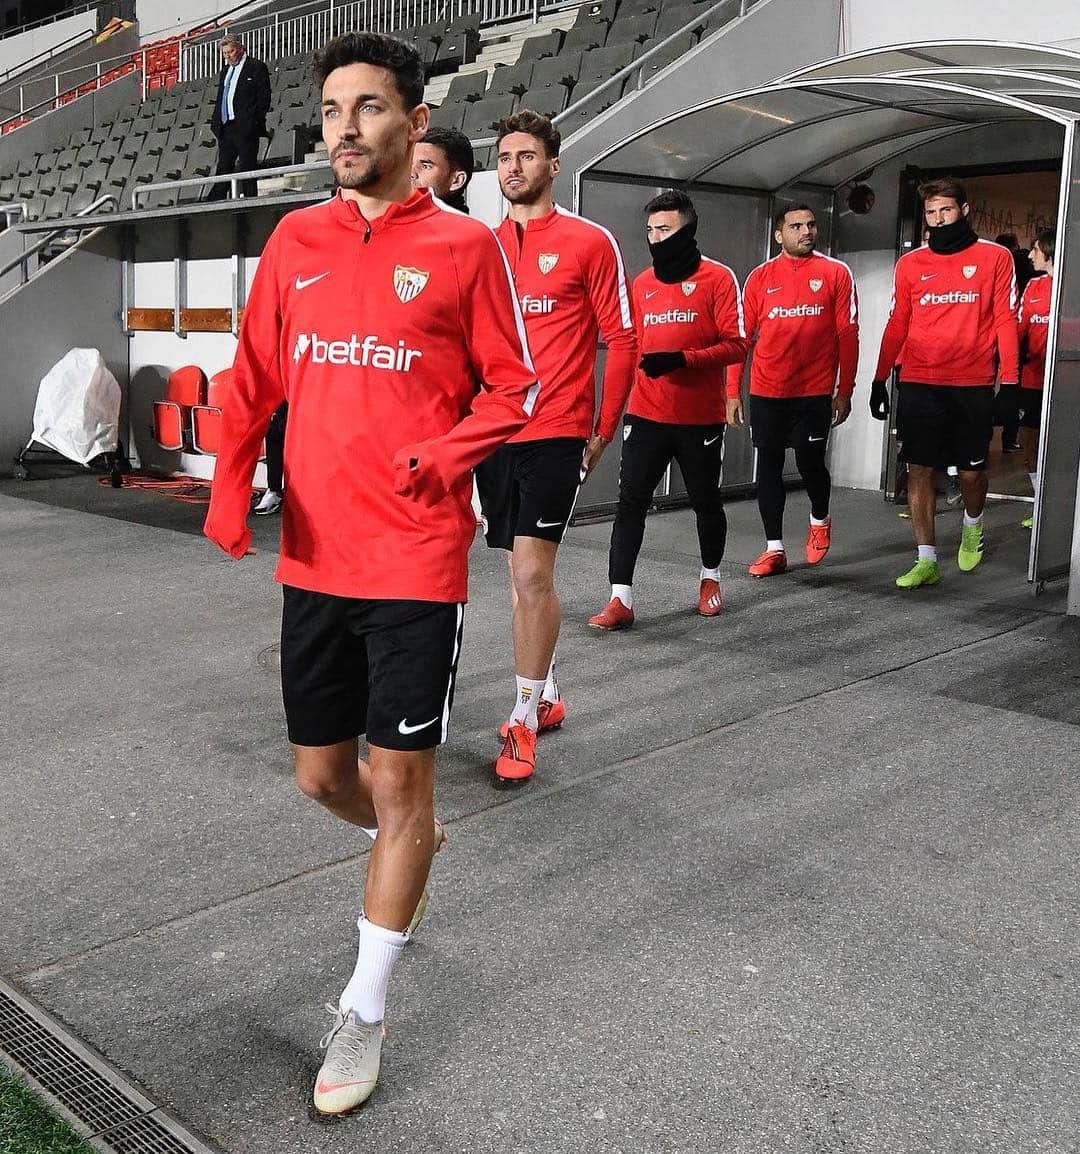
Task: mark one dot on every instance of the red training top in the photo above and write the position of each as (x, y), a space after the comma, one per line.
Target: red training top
(572, 286)
(805, 312)
(701, 317)
(1034, 324)
(954, 317)
(377, 334)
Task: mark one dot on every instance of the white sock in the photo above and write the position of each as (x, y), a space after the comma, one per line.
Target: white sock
(365, 995)
(775, 547)
(1034, 479)
(710, 574)
(624, 593)
(972, 520)
(372, 833)
(551, 686)
(927, 553)
(528, 698)
(815, 521)
(953, 471)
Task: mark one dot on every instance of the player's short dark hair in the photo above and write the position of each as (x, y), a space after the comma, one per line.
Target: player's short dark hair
(778, 219)
(673, 200)
(455, 147)
(1008, 239)
(533, 124)
(947, 186)
(380, 52)
(1046, 241)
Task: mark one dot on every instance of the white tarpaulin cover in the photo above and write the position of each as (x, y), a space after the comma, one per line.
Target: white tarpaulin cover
(78, 407)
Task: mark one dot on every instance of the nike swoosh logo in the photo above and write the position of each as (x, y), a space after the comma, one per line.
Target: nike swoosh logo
(547, 524)
(330, 1087)
(769, 292)
(980, 461)
(1035, 301)
(404, 728)
(303, 284)
(649, 296)
(713, 440)
(928, 276)
(813, 440)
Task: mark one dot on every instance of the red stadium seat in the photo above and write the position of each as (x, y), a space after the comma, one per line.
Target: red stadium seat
(185, 389)
(206, 419)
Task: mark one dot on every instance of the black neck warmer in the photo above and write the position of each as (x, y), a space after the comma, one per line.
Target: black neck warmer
(950, 238)
(677, 257)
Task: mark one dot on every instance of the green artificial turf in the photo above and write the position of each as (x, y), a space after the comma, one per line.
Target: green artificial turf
(28, 1127)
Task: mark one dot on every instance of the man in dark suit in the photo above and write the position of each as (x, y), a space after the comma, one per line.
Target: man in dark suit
(243, 100)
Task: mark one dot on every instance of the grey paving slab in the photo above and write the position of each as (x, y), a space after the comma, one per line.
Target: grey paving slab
(799, 878)
(740, 946)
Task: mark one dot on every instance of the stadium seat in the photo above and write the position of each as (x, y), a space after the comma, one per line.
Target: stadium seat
(467, 87)
(669, 55)
(482, 117)
(206, 417)
(586, 36)
(547, 101)
(514, 79)
(674, 18)
(185, 388)
(563, 69)
(637, 28)
(56, 205)
(539, 47)
(459, 44)
(600, 11)
(449, 114)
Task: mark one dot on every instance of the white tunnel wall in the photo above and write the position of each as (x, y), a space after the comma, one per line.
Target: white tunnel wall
(868, 245)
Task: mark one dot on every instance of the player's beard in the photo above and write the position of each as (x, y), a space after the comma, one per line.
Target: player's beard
(528, 194)
(362, 173)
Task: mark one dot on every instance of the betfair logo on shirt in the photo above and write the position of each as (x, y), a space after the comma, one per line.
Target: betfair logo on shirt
(956, 297)
(360, 352)
(538, 305)
(779, 313)
(671, 317)
(1039, 318)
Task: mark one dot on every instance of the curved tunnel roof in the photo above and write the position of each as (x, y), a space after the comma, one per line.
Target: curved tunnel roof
(826, 124)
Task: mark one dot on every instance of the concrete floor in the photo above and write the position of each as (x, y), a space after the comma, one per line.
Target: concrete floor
(801, 878)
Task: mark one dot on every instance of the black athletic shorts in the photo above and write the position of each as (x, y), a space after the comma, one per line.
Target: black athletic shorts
(384, 668)
(529, 489)
(940, 425)
(1031, 408)
(790, 422)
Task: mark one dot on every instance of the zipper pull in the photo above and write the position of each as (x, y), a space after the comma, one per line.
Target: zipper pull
(367, 235)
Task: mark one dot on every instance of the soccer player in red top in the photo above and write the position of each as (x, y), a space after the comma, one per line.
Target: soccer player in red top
(1033, 328)
(376, 315)
(689, 325)
(573, 289)
(954, 316)
(805, 311)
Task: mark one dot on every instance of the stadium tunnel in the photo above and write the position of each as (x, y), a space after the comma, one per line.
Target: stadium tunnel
(883, 116)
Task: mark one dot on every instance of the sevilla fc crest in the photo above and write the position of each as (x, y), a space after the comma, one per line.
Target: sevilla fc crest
(409, 282)
(547, 261)
(688, 287)
(815, 285)
(970, 270)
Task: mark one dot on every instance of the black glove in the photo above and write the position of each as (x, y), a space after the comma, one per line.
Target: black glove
(1007, 405)
(879, 400)
(655, 365)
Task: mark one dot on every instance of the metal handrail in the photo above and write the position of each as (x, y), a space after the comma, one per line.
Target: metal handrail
(19, 209)
(52, 100)
(632, 67)
(75, 10)
(234, 179)
(46, 54)
(18, 261)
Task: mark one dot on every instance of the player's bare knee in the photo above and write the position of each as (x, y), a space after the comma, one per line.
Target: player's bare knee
(324, 785)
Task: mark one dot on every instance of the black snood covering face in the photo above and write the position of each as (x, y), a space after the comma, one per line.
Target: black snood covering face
(677, 257)
(949, 238)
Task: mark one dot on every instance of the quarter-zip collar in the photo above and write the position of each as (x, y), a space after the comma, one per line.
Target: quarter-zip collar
(416, 207)
(797, 262)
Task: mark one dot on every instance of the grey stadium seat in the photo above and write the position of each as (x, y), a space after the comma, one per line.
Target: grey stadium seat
(679, 47)
(641, 27)
(470, 86)
(481, 117)
(600, 11)
(512, 78)
(539, 47)
(449, 114)
(587, 36)
(547, 101)
(563, 69)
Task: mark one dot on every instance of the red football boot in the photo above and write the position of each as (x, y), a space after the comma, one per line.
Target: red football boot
(709, 602)
(818, 540)
(771, 562)
(550, 715)
(614, 615)
(516, 763)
